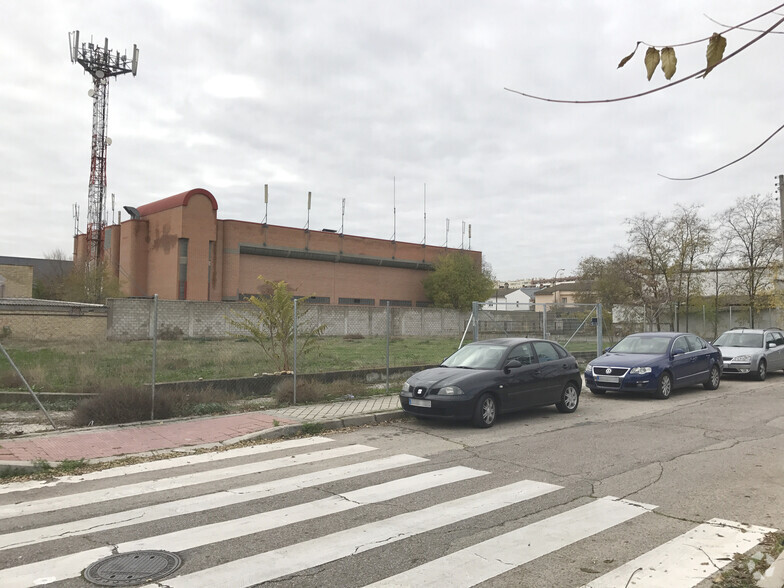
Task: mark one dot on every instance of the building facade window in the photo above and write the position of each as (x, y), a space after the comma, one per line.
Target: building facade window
(384, 301)
(210, 250)
(359, 301)
(182, 272)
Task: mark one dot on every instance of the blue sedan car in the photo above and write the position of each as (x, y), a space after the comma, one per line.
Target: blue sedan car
(655, 362)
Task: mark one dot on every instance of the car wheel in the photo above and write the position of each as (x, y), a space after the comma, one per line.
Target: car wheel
(762, 371)
(713, 380)
(570, 398)
(485, 411)
(597, 391)
(665, 386)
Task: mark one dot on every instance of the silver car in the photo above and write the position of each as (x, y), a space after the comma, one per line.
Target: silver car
(752, 351)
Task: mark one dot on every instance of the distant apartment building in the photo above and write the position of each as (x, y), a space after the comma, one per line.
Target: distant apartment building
(179, 249)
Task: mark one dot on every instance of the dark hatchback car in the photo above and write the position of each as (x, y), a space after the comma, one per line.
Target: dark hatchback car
(655, 362)
(488, 378)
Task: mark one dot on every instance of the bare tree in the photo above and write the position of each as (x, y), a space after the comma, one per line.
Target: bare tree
(754, 232)
(689, 235)
(649, 243)
(716, 262)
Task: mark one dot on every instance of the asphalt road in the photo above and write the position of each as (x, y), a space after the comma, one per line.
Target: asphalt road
(698, 456)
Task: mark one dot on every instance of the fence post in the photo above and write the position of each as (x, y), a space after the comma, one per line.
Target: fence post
(388, 322)
(599, 321)
(294, 394)
(475, 316)
(544, 320)
(154, 351)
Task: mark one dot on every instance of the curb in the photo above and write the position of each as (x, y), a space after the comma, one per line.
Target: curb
(774, 575)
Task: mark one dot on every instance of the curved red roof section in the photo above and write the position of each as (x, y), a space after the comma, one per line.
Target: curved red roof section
(175, 201)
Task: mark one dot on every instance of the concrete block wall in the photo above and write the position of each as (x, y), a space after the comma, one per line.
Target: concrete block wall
(54, 326)
(131, 319)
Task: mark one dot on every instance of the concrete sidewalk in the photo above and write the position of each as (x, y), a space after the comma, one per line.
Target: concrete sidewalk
(148, 438)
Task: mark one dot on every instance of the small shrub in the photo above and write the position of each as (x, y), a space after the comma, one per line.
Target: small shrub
(5, 332)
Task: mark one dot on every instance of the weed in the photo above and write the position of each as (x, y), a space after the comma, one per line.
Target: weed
(42, 465)
(740, 573)
(311, 428)
(208, 408)
(5, 332)
(70, 465)
(275, 423)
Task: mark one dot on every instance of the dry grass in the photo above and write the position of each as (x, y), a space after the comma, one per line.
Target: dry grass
(127, 404)
(310, 391)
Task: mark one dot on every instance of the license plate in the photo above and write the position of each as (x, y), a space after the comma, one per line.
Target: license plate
(613, 379)
(420, 403)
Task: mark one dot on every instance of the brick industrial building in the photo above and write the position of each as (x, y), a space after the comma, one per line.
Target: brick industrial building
(179, 249)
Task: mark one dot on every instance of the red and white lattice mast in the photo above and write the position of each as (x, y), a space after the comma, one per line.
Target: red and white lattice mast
(102, 64)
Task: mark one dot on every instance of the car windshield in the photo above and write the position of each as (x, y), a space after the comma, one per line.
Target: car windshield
(480, 357)
(638, 344)
(730, 339)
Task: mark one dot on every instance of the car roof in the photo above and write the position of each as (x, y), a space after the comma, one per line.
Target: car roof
(670, 334)
(747, 330)
(505, 341)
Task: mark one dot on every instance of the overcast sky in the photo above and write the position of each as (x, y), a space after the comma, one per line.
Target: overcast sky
(338, 98)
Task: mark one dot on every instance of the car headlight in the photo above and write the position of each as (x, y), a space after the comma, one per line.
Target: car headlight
(742, 358)
(640, 370)
(589, 369)
(406, 389)
(450, 391)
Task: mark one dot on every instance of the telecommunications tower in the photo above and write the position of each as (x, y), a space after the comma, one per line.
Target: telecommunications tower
(102, 64)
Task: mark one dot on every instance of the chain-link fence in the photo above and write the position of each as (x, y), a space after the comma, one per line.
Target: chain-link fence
(578, 327)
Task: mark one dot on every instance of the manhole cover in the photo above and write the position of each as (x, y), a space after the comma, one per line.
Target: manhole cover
(130, 569)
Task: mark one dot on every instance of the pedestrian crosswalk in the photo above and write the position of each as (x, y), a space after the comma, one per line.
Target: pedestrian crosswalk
(291, 507)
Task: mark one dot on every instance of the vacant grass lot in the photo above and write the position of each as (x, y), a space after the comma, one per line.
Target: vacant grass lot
(91, 367)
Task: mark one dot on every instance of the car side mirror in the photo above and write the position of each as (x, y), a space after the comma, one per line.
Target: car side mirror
(512, 363)
(771, 344)
(678, 351)
(606, 349)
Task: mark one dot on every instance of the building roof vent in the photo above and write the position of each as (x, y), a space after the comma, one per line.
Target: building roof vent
(132, 212)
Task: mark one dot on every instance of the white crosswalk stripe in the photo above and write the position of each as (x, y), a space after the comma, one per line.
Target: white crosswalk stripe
(72, 565)
(323, 494)
(475, 564)
(71, 500)
(686, 560)
(301, 556)
(201, 503)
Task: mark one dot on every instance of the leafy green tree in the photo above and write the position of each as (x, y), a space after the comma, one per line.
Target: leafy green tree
(271, 325)
(456, 282)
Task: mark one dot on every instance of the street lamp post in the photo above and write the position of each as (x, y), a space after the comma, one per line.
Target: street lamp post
(555, 282)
